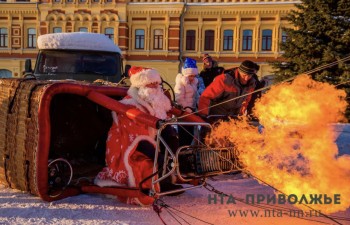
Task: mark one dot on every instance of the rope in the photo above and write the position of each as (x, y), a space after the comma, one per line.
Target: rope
(173, 214)
(158, 210)
(287, 196)
(160, 204)
(262, 89)
(345, 82)
(328, 65)
(285, 210)
(163, 205)
(269, 86)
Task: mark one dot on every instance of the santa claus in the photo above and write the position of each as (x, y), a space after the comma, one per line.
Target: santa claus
(131, 145)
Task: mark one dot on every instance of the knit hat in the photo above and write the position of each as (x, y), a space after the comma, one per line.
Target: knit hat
(141, 76)
(248, 67)
(189, 67)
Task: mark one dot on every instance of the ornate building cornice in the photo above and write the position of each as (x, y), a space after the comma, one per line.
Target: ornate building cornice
(18, 11)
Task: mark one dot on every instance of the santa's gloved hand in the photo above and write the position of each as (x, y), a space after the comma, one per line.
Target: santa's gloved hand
(204, 117)
(177, 105)
(160, 123)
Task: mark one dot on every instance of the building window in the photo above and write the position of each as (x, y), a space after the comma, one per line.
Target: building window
(228, 40)
(82, 1)
(109, 1)
(31, 38)
(158, 39)
(109, 32)
(209, 40)
(139, 39)
(266, 40)
(83, 29)
(57, 1)
(69, 1)
(3, 37)
(5, 73)
(95, 1)
(247, 40)
(57, 30)
(284, 36)
(190, 40)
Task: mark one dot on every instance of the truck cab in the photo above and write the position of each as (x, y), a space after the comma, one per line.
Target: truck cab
(77, 56)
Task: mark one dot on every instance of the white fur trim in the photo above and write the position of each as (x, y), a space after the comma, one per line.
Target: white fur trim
(189, 71)
(185, 91)
(137, 101)
(107, 183)
(115, 117)
(131, 178)
(144, 77)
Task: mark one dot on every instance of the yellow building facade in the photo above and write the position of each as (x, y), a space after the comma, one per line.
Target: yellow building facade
(152, 33)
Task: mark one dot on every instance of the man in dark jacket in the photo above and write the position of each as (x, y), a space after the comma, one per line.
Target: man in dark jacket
(220, 97)
(256, 95)
(210, 70)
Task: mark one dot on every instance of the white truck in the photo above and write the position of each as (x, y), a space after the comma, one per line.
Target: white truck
(77, 56)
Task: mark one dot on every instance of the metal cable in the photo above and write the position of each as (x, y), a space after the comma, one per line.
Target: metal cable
(267, 87)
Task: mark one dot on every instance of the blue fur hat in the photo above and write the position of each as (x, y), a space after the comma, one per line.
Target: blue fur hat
(189, 67)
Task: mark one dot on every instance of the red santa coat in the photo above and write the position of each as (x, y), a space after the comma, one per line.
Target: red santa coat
(126, 166)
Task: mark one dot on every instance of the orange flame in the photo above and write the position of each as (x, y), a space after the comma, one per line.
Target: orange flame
(296, 153)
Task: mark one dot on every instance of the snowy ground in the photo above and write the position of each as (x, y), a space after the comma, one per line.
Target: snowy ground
(22, 208)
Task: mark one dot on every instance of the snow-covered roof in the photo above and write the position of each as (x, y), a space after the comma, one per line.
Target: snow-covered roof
(77, 41)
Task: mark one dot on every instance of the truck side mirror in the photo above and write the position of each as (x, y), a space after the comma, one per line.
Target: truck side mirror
(28, 66)
(126, 70)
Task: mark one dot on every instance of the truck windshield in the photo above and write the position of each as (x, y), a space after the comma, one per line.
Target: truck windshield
(51, 62)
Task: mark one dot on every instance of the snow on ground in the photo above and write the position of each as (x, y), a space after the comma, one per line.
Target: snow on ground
(21, 208)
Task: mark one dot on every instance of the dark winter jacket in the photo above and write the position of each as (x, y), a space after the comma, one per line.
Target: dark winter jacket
(225, 87)
(208, 75)
(256, 95)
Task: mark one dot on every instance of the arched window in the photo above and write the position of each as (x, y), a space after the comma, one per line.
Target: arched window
(190, 40)
(209, 40)
(5, 73)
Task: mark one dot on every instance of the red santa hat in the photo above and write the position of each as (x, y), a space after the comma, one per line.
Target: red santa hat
(141, 76)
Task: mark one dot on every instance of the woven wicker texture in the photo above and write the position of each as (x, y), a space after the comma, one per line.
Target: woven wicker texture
(8, 88)
(19, 132)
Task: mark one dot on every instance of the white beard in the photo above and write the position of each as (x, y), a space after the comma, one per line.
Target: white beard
(159, 102)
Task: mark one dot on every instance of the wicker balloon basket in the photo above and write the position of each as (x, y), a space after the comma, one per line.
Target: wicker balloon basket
(44, 125)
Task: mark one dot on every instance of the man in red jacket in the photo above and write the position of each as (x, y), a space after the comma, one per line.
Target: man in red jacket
(222, 96)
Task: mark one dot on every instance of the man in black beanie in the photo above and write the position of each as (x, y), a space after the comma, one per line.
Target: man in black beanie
(220, 97)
